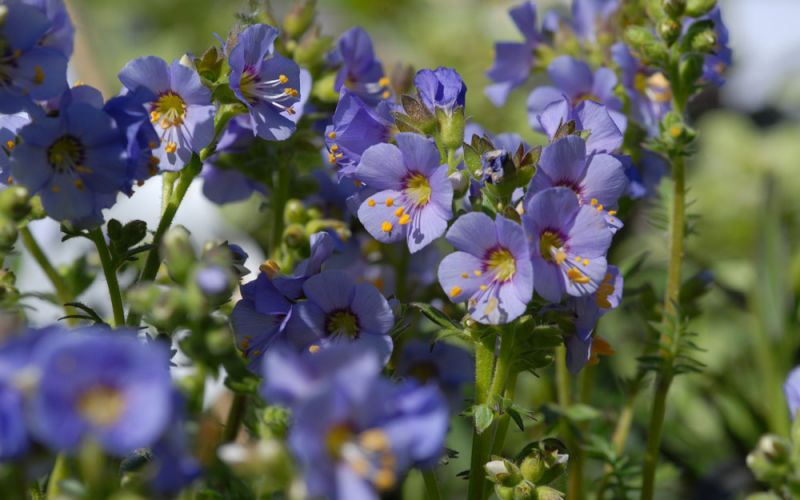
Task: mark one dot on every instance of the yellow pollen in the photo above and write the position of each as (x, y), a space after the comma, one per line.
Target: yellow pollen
(549, 244)
(585, 262)
(270, 268)
(9, 181)
(292, 92)
(290, 110)
(313, 348)
(675, 131)
(154, 116)
(465, 275)
(477, 272)
(386, 227)
(78, 184)
(383, 82)
(78, 83)
(283, 79)
(371, 202)
(334, 148)
(359, 466)
(386, 94)
(594, 202)
(56, 188)
(83, 169)
(577, 259)
(389, 202)
(419, 189)
(612, 212)
(101, 406)
(405, 219)
(331, 135)
(38, 75)
(244, 345)
(577, 276)
(455, 291)
(331, 158)
(605, 290)
(484, 288)
(384, 479)
(502, 264)
(10, 144)
(374, 440)
(171, 147)
(358, 183)
(152, 144)
(599, 208)
(339, 156)
(561, 257)
(399, 211)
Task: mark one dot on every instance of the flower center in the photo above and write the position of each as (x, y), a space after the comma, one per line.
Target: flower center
(170, 110)
(101, 405)
(550, 243)
(418, 189)
(502, 263)
(336, 438)
(65, 154)
(343, 323)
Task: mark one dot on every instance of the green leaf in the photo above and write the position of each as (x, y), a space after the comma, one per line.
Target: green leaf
(437, 316)
(516, 417)
(483, 416)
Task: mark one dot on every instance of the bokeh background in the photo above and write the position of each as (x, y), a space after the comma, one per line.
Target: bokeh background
(745, 187)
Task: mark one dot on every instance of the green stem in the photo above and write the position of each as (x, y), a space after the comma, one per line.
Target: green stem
(235, 417)
(563, 392)
(96, 235)
(279, 197)
(484, 361)
(505, 421)
(59, 473)
(178, 193)
(671, 301)
(431, 485)
(167, 185)
(62, 291)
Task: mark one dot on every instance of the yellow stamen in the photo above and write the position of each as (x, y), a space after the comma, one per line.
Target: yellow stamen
(389, 202)
(171, 147)
(386, 94)
(383, 82)
(38, 75)
(465, 275)
(405, 219)
(331, 135)
(270, 268)
(612, 212)
(585, 262)
(313, 348)
(477, 272)
(56, 188)
(561, 257)
(594, 202)
(455, 291)
(83, 169)
(283, 79)
(484, 288)
(384, 479)
(577, 276)
(78, 184)
(374, 440)
(334, 148)
(371, 202)
(399, 211)
(386, 227)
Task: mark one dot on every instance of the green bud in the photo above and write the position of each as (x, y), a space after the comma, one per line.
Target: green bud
(525, 490)
(294, 212)
(295, 236)
(209, 65)
(323, 88)
(14, 202)
(700, 37)
(460, 182)
(310, 52)
(8, 289)
(669, 30)
(533, 467)
(314, 213)
(646, 46)
(502, 471)
(504, 492)
(37, 210)
(770, 460)
(299, 18)
(266, 459)
(8, 234)
(548, 493)
(451, 127)
(698, 8)
(178, 253)
(219, 341)
(674, 8)
(417, 115)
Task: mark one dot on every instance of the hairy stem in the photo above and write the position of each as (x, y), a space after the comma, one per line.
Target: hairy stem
(96, 235)
(484, 361)
(504, 421)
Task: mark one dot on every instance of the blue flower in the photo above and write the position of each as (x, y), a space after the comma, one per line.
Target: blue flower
(101, 385)
(575, 81)
(446, 365)
(591, 16)
(568, 244)
(61, 32)
(173, 467)
(322, 246)
(227, 184)
(588, 310)
(491, 268)
(28, 71)
(355, 447)
(414, 196)
(791, 389)
(9, 128)
(597, 180)
(714, 65)
(130, 113)
(514, 60)
(182, 108)
(359, 70)
(265, 81)
(649, 90)
(356, 126)
(441, 88)
(588, 116)
(76, 162)
(339, 310)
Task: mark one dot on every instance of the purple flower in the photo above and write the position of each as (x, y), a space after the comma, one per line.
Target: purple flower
(28, 71)
(100, 385)
(356, 126)
(588, 116)
(514, 60)
(76, 162)
(649, 90)
(441, 88)
(265, 81)
(173, 467)
(322, 245)
(643, 179)
(575, 81)
(598, 180)
(588, 310)
(414, 195)
(491, 268)
(443, 364)
(223, 182)
(359, 70)
(591, 16)
(259, 317)
(130, 113)
(339, 310)
(791, 389)
(355, 447)
(568, 244)
(61, 33)
(714, 65)
(9, 128)
(182, 108)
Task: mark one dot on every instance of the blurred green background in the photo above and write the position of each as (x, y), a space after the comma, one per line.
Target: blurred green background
(744, 185)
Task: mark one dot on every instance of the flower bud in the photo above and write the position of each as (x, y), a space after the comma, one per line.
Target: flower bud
(770, 460)
(674, 8)
(451, 126)
(460, 182)
(266, 457)
(295, 236)
(8, 290)
(698, 8)
(299, 19)
(669, 30)
(215, 282)
(294, 212)
(503, 472)
(645, 44)
(178, 253)
(14, 202)
(8, 234)
(548, 493)
(546, 461)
